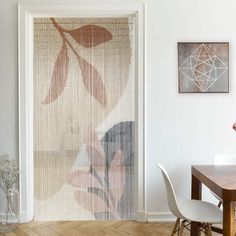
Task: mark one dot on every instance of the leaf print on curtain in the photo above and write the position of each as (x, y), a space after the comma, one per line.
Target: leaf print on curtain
(84, 87)
(59, 76)
(109, 176)
(88, 36)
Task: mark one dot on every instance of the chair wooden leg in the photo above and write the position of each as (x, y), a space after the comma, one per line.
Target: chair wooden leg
(175, 226)
(181, 230)
(208, 230)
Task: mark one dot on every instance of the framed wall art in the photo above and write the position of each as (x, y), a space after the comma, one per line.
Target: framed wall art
(203, 67)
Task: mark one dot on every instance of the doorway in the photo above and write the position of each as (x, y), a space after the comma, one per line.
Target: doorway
(84, 118)
(85, 158)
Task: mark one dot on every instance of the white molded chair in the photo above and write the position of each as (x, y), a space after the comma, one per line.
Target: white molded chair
(190, 210)
(223, 159)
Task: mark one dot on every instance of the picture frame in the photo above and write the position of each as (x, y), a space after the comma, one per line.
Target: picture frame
(203, 67)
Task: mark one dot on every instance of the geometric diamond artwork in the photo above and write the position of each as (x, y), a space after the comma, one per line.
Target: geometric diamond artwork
(203, 67)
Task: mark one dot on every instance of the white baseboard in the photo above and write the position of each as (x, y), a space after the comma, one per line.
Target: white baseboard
(143, 216)
(140, 216)
(23, 217)
(11, 219)
(160, 217)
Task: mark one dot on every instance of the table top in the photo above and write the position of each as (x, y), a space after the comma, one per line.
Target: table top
(221, 179)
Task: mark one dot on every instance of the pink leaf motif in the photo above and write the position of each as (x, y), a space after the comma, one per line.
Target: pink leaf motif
(95, 152)
(91, 138)
(59, 76)
(97, 160)
(95, 156)
(82, 179)
(90, 35)
(91, 202)
(92, 81)
(117, 176)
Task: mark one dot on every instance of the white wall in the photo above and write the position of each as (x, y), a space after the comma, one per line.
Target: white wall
(181, 129)
(185, 129)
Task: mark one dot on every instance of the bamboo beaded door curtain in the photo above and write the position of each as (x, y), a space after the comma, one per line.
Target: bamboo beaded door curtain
(84, 118)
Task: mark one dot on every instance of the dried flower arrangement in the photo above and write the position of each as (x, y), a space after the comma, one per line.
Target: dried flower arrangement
(8, 179)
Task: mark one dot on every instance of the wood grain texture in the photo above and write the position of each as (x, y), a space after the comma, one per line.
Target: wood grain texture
(95, 228)
(228, 218)
(222, 181)
(197, 195)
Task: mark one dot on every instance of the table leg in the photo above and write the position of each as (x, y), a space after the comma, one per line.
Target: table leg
(196, 194)
(228, 218)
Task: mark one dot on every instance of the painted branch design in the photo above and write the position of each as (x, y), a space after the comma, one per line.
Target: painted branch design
(88, 36)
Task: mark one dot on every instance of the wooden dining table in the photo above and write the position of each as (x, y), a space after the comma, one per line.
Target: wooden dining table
(220, 179)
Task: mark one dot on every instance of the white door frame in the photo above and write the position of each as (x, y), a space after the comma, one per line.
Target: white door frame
(83, 8)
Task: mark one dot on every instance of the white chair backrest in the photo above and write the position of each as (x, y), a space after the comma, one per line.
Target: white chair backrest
(171, 197)
(225, 159)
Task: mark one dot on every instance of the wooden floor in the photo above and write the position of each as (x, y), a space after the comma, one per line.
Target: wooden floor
(94, 228)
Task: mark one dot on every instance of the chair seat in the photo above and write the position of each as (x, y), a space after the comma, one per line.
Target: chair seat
(200, 211)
